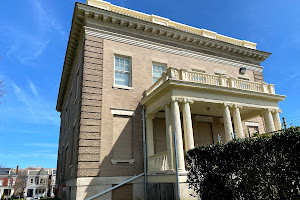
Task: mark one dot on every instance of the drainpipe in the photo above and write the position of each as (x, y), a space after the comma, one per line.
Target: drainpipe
(145, 151)
(176, 165)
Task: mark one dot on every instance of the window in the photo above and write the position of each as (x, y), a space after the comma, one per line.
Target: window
(157, 70)
(7, 192)
(31, 180)
(122, 71)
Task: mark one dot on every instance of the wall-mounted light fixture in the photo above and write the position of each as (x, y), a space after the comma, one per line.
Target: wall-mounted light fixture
(242, 70)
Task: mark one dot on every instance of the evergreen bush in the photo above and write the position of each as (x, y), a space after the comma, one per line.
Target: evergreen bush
(262, 167)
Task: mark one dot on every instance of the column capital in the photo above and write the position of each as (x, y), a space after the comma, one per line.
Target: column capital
(227, 105)
(190, 101)
(176, 99)
(237, 106)
(267, 110)
(274, 111)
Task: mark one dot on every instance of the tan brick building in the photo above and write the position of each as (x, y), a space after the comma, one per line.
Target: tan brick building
(119, 64)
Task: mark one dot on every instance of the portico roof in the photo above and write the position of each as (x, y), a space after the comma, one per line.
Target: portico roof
(210, 89)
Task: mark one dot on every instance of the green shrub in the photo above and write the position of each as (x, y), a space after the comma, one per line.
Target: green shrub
(262, 167)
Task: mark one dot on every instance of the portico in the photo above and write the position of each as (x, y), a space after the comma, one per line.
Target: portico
(216, 104)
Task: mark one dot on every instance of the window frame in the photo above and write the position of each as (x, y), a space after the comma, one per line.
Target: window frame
(159, 64)
(115, 85)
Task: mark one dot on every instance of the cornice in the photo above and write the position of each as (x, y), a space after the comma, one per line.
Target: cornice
(75, 34)
(167, 22)
(168, 32)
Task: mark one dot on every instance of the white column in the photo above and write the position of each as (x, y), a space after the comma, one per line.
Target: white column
(227, 123)
(149, 139)
(187, 125)
(169, 137)
(237, 121)
(269, 123)
(276, 119)
(176, 125)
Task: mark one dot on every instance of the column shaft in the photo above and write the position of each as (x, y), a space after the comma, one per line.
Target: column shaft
(227, 124)
(269, 121)
(176, 124)
(188, 127)
(149, 141)
(277, 121)
(169, 137)
(237, 122)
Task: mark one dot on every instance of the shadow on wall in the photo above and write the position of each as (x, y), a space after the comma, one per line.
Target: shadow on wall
(125, 158)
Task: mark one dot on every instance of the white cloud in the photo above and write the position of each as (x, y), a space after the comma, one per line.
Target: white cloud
(37, 109)
(294, 75)
(24, 47)
(47, 19)
(27, 45)
(33, 88)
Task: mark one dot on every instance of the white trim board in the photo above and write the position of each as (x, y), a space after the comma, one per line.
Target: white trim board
(124, 112)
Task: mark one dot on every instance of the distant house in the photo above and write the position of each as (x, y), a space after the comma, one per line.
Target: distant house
(52, 179)
(37, 183)
(7, 182)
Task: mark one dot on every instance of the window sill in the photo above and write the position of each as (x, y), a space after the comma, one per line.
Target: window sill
(122, 87)
(119, 161)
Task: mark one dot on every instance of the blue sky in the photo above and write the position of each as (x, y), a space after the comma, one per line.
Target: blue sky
(34, 36)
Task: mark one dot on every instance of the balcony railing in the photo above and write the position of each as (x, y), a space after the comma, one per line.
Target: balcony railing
(158, 163)
(211, 79)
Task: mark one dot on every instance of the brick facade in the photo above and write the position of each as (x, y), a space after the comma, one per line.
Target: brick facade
(91, 135)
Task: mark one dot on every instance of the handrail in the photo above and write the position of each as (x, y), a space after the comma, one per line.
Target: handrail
(158, 154)
(116, 186)
(211, 79)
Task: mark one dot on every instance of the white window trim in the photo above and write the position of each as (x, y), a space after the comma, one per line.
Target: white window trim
(252, 124)
(198, 70)
(219, 71)
(122, 87)
(124, 112)
(117, 86)
(119, 161)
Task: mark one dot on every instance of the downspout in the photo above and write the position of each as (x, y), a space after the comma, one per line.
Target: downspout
(176, 165)
(145, 151)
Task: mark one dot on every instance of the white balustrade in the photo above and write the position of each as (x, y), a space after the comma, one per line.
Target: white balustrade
(210, 79)
(158, 163)
(247, 85)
